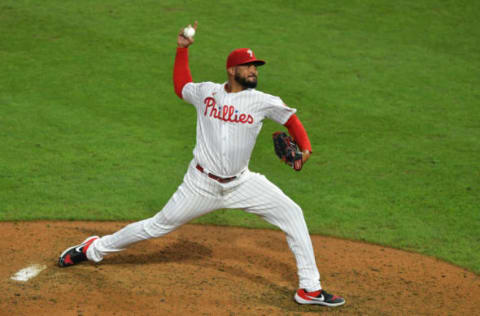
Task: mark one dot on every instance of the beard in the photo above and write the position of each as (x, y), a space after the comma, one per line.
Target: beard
(244, 82)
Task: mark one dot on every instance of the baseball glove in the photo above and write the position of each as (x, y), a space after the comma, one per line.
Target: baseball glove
(287, 150)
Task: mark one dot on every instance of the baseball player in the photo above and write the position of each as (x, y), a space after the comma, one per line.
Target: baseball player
(229, 118)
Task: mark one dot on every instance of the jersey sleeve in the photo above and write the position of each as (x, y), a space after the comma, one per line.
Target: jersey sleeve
(278, 111)
(192, 92)
(195, 93)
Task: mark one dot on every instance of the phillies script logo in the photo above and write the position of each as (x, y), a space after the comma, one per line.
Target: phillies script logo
(227, 113)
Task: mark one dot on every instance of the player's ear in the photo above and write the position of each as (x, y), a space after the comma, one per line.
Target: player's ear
(231, 71)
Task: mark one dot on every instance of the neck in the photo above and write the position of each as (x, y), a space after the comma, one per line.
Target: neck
(233, 86)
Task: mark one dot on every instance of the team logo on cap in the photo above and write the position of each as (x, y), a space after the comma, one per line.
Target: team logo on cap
(250, 53)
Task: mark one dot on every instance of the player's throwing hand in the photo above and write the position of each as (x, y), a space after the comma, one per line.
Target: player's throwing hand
(182, 40)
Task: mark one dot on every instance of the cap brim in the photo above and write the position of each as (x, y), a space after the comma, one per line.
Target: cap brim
(256, 62)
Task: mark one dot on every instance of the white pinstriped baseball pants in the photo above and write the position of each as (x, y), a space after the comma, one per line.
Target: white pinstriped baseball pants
(199, 195)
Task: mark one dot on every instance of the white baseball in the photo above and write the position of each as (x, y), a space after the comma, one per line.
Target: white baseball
(189, 32)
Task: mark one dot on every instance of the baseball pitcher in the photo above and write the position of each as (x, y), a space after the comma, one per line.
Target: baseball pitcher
(229, 118)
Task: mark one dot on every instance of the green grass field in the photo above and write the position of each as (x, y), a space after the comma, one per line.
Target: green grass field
(91, 129)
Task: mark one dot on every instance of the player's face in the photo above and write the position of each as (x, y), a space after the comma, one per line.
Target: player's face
(246, 75)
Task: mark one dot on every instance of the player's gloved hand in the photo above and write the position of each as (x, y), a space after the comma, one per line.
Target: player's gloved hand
(183, 41)
(287, 150)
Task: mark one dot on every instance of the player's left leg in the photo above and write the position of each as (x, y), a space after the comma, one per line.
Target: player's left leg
(196, 196)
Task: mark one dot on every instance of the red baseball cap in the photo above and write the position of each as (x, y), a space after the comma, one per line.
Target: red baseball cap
(243, 56)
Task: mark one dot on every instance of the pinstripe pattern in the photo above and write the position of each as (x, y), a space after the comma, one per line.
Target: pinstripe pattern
(227, 127)
(196, 196)
(259, 196)
(224, 147)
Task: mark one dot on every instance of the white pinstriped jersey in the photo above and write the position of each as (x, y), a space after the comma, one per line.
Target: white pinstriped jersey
(228, 124)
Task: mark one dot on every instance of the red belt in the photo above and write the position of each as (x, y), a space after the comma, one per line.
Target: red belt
(214, 177)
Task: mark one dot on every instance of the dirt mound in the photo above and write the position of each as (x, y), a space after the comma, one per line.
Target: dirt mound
(205, 270)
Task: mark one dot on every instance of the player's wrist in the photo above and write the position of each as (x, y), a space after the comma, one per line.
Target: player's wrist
(306, 155)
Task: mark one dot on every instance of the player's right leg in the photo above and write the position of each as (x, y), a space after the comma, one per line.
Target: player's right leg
(257, 195)
(195, 197)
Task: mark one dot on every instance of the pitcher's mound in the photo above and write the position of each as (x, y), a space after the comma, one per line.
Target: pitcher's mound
(206, 270)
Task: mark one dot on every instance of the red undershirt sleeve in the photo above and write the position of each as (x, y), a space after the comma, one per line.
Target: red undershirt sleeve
(181, 71)
(297, 131)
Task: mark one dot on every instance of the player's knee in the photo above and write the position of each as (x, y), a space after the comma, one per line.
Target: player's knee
(291, 210)
(296, 209)
(290, 205)
(159, 225)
